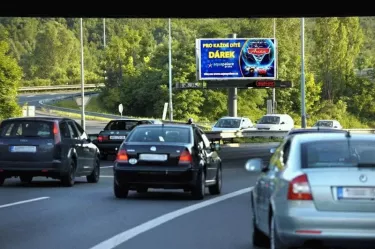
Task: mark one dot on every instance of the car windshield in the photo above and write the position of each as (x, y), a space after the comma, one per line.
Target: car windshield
(339, 153)
(228, 123)
(26, 128)
(269, 120)
(160, 134)
(323, 124)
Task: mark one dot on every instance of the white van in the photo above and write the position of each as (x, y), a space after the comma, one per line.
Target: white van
(233, 124)
(275, 122)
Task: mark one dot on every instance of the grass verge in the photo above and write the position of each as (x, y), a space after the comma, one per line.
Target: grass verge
(75, 115)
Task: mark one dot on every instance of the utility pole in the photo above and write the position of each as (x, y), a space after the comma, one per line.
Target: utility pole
(303, 110)
(274, 89)
(83, 123)
(170, 72)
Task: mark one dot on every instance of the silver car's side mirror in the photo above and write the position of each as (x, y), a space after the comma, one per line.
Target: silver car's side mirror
(272, 150)
(254, 165)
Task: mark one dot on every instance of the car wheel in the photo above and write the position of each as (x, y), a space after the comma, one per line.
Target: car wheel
(120, 192)
(275, 242)
(69, 179)
(216, 189)
(2, 180)
(95, 174)
(199, 189)
(26, 179)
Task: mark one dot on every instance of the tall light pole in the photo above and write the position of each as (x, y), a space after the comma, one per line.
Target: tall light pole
(303, 110)
(170, 72)
(83, 123)
(104, 38)
(274, 89)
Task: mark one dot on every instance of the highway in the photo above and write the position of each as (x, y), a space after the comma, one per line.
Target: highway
(44, 215)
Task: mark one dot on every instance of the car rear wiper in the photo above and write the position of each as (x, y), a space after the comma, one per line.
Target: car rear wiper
(366, 165)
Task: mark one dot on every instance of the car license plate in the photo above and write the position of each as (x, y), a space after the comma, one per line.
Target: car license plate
(355, 193)
(28, 149)
(153, 157)
(117, 137)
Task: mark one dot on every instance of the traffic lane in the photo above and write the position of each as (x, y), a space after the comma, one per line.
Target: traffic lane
(14, 191)
(87, 214)
(224, 225)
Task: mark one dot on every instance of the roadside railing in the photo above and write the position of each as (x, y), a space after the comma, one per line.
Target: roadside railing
(58, 88)
(211, 135)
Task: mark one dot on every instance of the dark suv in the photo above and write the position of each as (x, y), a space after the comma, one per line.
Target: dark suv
(47, 146)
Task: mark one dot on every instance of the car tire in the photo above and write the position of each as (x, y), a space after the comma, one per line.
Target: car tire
(95, 174)
(2, 180)
(199, 189)
(216, 189)
(121, 192)
(68, 180)
(26, 179)
(275, 242)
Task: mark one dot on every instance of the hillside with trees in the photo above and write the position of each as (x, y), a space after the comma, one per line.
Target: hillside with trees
(46, 51)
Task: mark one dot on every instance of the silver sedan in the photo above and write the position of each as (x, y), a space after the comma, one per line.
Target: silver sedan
(318, 190)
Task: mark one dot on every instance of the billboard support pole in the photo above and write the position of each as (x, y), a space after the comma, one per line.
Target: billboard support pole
(274, 89)
(232, 95)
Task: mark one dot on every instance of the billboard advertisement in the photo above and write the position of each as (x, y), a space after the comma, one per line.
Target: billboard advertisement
(236, 58)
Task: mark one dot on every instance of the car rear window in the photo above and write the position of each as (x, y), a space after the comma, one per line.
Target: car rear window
(124, 125)
(160, 134)
(26, 128)
(339, 153)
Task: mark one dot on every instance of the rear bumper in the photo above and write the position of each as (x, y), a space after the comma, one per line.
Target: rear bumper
(156, 176)
(295, 226)
(53, 168)
(108, 148)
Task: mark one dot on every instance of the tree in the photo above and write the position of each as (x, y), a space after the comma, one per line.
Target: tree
(10, 76)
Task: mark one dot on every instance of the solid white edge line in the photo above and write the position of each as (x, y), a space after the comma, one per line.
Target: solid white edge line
(23, 202)
(135, 231)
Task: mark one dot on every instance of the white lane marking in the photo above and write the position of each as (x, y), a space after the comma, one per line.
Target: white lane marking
(23, 202)
(106, 167)
(107, 176)
(131, 233)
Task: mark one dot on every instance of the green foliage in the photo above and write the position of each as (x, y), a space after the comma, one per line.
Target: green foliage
(135, 60)
(10, 75)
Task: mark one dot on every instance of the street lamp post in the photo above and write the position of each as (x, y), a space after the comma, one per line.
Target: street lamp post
(170, 72)
(83, 123)
(303, 109)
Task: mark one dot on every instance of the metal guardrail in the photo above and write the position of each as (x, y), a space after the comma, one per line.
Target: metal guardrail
(211, 135)
(60, 87)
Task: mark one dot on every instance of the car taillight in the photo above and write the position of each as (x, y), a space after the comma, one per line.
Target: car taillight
(185, 157)
(102, 138)
(56, 133)
(122, 156)
(299, 189)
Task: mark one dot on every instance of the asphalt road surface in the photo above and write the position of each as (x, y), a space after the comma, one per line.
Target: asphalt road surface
(44, 215)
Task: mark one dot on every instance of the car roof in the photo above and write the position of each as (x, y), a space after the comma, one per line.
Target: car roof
(314, 130)
(166, 125)
(329, 136)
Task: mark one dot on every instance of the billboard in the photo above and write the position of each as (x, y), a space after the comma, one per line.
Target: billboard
(236, 58)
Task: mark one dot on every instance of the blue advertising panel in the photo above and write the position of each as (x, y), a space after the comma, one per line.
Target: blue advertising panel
(236, 58)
